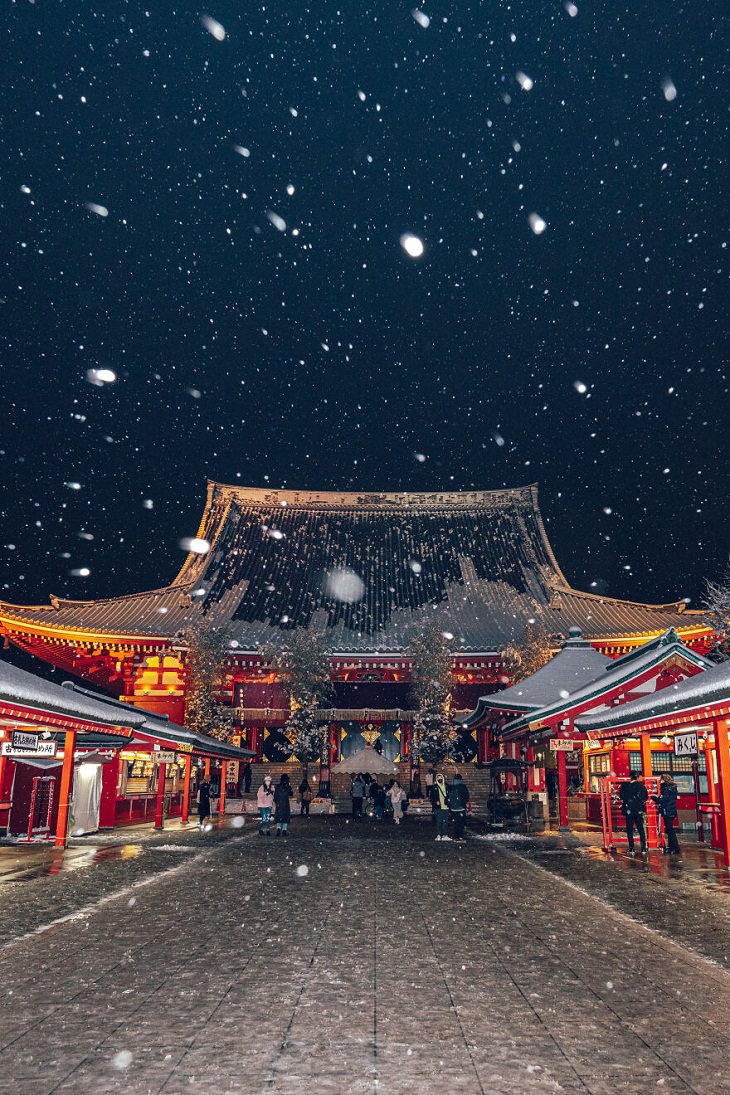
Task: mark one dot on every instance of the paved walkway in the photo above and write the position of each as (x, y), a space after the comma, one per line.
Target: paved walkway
(355, 960)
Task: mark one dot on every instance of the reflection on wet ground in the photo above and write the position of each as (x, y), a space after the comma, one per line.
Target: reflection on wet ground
(23, 865)
(695, 863)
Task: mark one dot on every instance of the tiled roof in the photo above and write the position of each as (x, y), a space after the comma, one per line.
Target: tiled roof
(477, 563)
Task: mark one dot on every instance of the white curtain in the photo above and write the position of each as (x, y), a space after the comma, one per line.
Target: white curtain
(87, 796)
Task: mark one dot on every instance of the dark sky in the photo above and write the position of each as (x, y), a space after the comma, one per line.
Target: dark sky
(264, 324)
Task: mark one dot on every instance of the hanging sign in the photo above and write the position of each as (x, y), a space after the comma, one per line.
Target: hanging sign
(22, 739)
(563, 745)
(164, 757)
(42, 749)
(685, 745)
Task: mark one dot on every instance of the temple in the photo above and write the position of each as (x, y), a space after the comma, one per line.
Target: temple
(365, 571)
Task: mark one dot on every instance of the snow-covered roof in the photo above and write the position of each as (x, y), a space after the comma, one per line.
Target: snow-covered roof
(366, 571)
(614, 675)
(575, 664)
(21, 687)
(712, 686)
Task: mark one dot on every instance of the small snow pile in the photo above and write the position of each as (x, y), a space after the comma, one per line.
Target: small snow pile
(302, 871)
(501, 838)
(122, 1060)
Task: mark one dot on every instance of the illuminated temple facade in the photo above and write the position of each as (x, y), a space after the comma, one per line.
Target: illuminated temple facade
(364, 571)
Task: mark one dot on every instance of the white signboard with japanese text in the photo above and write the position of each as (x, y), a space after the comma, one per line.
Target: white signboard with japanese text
(563, 745)
(42, 749)
(164, 757)
(685, 745)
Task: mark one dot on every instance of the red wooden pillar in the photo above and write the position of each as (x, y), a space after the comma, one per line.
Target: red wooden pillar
(562, 790)
(64, 798)
(222, 799)
(722, 755)
(186, 788)
(645, 755)
(160, 804)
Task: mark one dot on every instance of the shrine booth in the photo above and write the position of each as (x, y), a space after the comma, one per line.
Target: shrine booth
(162, 766)
(683, 730)
(547, 729)
(58, 751)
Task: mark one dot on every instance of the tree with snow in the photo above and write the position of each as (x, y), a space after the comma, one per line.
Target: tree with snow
(717, 615)
(434, 737)
(207, 648)
(304, 666)
(523, 658)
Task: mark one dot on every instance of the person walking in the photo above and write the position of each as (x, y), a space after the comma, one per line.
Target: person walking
(397, 796)
(357, 790)
(265, 802)
(457, 798)
(378, 796)
(204, 802)
(666, 804)
(282, 805)
(440, 808)
(247, 773)
(634, 795)
(305, 797)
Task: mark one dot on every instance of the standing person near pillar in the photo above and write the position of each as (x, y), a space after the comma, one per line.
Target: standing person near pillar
(247, 773)
(203, 802)
(440, 808)
(282, 805)
(634, 797)
(457, 798)
(265, 803)
(666, 803)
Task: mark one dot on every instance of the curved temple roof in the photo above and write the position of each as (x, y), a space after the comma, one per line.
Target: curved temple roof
(365, 570)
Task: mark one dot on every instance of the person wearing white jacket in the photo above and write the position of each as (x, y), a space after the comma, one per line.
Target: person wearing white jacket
(397, 796)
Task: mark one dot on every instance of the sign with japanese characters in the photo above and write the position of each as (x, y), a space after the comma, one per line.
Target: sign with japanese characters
(165, 756)
(22, 739)
(42, 749)
(563, 745)
(685, 745)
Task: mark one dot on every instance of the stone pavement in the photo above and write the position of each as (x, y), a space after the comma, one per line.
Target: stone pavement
(360, 959)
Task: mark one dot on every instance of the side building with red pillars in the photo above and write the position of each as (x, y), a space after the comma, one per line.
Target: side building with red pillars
(684, 730)
(69, 758)
(540, 720)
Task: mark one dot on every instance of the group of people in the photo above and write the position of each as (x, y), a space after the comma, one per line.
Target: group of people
(391, 797)
(277, 800)
(634, 797)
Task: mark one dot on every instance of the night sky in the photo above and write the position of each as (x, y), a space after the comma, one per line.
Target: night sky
(208, 205)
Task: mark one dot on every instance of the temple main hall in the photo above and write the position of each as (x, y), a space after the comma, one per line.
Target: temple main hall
(366, 572)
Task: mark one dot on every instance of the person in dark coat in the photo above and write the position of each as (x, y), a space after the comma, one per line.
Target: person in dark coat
(204, 802)
(357, 790)
(282, 805)
(305, 797)
(634, 797)
(457, 798)
(246, 778)
(666, 804)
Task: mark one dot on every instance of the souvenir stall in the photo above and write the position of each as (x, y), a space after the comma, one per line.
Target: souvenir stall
(682, 730)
